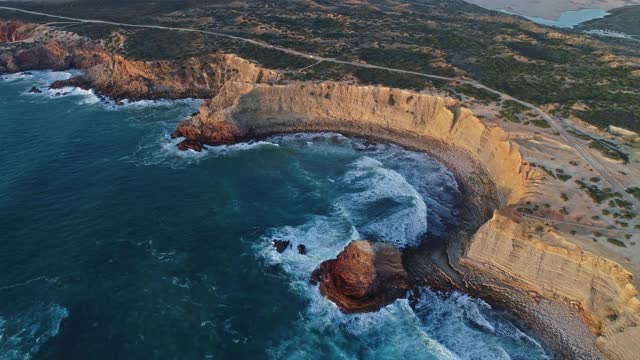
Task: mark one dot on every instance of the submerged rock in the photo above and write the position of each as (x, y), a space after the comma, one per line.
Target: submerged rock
(364, 277)
(35, 90)
(189, 144)
(280, 245)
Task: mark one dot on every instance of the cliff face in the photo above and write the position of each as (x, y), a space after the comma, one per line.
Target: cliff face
(243, 109)
(31, 47)
(502, 252)
(511, 252)
(13, 31)
(198, 77)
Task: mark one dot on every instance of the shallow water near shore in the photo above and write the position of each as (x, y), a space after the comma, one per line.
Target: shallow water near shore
(116, 245)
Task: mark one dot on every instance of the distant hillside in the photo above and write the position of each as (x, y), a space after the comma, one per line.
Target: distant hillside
(625, 20)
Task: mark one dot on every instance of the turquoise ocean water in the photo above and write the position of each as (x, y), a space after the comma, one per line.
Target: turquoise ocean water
(114, 245)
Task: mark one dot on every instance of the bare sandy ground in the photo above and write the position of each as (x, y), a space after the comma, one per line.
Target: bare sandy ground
(550, 9)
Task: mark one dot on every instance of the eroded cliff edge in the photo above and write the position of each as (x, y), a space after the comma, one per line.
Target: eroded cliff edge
(496, 252)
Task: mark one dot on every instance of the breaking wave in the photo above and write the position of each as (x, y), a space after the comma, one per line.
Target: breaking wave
(382, 205)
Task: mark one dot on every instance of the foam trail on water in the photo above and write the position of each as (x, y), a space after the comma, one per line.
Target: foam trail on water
(22, 334)
(39, 77)
(162, 150)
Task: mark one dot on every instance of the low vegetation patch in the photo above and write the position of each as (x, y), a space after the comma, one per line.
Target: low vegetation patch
(635, 191)
(609, 151)
(595, 193)
(616, 242)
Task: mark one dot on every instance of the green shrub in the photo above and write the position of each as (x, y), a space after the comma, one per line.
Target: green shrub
(540, 123)
(616, 242)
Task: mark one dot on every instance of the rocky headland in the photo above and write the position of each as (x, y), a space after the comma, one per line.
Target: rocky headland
(577, 301)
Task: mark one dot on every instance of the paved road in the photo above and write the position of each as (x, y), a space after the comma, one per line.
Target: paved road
(553, 122)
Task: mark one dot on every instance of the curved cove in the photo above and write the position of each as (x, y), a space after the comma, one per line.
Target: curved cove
(118, 245)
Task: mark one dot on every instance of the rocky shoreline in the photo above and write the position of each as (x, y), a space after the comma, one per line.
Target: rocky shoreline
(578, 303)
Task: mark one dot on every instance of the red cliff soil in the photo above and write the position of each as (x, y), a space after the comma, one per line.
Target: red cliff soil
(14, 31)
(364, 277)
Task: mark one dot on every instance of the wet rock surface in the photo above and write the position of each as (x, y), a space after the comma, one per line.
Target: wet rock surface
(280, 245)
(302, 249)
(189, 144)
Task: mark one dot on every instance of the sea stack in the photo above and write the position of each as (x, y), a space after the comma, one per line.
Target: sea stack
(364, 277)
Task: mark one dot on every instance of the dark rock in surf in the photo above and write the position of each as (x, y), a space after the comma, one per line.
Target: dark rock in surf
(302, 250)
(280, 245)
(316, 277)
(189, 144)
(35, 90)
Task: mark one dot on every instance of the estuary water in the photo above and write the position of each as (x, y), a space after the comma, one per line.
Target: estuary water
(114, 245)
(567, 19)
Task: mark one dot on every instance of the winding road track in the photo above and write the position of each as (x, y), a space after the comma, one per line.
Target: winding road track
(556, 124)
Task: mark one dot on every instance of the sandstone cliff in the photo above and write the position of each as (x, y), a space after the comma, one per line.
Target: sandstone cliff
(197, 77)
(511, 251)
(243, 109)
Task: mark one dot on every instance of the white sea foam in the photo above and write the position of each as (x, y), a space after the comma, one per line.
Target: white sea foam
(87, 97)
(16, 76)
(235, 148)
(382, 204)
(472, 329)
(162, 150)
(323, 236)
(42, 80)
(126, 104)
(22, 335)
(39, 77)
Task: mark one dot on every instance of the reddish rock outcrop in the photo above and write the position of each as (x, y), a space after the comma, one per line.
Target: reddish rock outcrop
(364, 277)
(13, 31)
(197, 77)
(222, 133)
